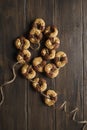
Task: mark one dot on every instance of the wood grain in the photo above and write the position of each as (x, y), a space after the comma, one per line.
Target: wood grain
(70, 80)
(12, 24)
(39, 116)
(85, 56)
(23, 108)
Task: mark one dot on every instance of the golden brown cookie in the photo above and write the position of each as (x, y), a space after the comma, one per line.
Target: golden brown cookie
(48, 54)
(24, 56)
(61, 59)
(39, 64)
(51, 99)
(39, 23)
(51, 31)
(51, 70)
(39, 84)
(52, 43)
(35, 36)
(22, 43)
(28, 71)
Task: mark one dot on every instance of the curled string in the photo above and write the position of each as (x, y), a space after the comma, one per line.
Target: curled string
(8, 82)
(63, 106)
(2, 96)
(84, 122)
(35, 48)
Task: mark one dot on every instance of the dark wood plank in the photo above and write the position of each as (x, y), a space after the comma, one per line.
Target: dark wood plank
(12, 24)
(40, 117)
(70, 81)
(23, 108)
(84, 10)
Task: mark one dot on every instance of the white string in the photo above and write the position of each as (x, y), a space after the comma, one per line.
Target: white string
(35, 48)
(84, 122)
(45, 95)
(63, 106)
(14, 76)
(8, 82)
(2, 96)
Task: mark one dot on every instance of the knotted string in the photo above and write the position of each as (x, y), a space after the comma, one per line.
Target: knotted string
(8, 82)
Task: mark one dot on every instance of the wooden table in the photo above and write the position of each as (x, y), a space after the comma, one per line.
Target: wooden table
(23, 108)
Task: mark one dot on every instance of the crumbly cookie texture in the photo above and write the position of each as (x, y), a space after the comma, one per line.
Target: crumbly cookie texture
(51, 31)
(39, 64)
(28, 72)
(22, 43)
(51, 99)
(35, 36)
(52, 43)
(39, 23)
(61, 59)
(48, 54)
(39, 84)
(24, 56)
(51, 70)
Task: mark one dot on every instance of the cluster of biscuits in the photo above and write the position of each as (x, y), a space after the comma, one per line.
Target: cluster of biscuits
(50, 61)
